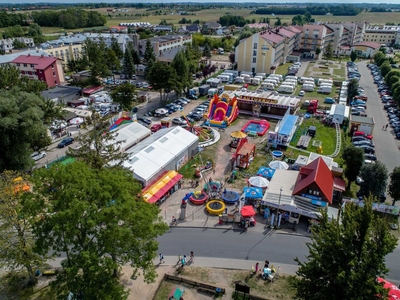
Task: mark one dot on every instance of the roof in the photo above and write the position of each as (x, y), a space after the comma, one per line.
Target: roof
(311, 29)
(212, 25)
(286, 32)
(68, 115)
(282, 179)
(246, 149)
(339, 109)
(131, 134)
(40, 62)
(316, 172)
(288, 125)
(361, 119)
(372, 45)
(272, 37)
(92, 89)
(61, 91)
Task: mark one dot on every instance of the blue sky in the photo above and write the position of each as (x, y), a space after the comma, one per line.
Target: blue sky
(206, 1)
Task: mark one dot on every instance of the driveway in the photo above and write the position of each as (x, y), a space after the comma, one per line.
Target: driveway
(387, 149)
(303, 68)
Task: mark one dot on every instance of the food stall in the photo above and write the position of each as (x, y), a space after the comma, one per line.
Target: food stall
(247, 214)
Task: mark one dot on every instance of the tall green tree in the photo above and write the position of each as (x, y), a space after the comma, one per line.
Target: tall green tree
(96, 57)
(317, 51)
(346, 257)
(353, 56)
(392, 80)
(352, 90)
(385, 68)
(391, 74)
(394, 185)
(129, 66)
(278, 22)
(112, 61)
(329, 51)
(375, 178)
(124, 94)
(207, 51)
(99, 147)
(149, 52)
(135, 57)
(181, 66)
(149, 66)
(163, 78)
(97, 219)
(379, 58)
(21, 129)
(353, 159)
(116, 48)
(16, 238)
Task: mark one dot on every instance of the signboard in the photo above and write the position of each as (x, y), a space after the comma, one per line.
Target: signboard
(319, 203)
(258, 99)
(242, 288)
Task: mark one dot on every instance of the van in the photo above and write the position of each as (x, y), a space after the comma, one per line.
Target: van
(308, 87)
(221, 51)
(286, 88)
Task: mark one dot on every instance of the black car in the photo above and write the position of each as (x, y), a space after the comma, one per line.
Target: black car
(192, 97)
(370, 156)
(398, 135)
(359, 138)
(65, 142)
(364, 143)
(367, 149)
(196, 117)
(145, 121)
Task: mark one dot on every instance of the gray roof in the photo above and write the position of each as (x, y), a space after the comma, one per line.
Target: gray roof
(361, 119)
(340, 110)
(170, 54)
(7, 58)
(61, 91)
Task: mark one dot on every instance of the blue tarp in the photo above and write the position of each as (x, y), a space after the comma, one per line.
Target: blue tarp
(287, 127)
(266, 172)
(252, 192)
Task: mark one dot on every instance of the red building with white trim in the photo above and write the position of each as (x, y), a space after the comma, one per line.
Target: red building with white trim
(47, 69)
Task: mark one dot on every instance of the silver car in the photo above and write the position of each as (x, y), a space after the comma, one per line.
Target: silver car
(38, 155)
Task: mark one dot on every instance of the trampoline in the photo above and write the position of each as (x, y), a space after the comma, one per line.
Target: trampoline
(199, 198)
(215, 207)
(230, 197)
(211, 184)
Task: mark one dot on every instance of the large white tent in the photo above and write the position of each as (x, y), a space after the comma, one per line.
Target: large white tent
(132, 134)
(167, 149)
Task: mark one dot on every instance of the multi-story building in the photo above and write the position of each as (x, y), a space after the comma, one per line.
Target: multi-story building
(165, 43)
(47, 69)
(8, 58)
(313, 37)
(384, 35)
(65, 52)
(7, 45)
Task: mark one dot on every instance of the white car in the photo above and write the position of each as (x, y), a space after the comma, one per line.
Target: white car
(179, 121)
(38, 155)
(302, 93)
(145, 85)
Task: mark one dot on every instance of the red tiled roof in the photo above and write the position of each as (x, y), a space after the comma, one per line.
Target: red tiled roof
(296, 29)
(328, 29)
(339, 184)
(272, 37)
(286, 32)
(40, 62)
(372, 45)
(316, 172)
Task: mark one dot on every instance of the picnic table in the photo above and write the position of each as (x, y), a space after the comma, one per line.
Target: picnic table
(252, 133)
(176, 293)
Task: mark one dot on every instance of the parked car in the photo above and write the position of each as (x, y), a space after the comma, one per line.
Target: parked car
(65, 142)
(155, 127)
(38, 155)
(367, 149)
(139, 84)
(191, 96)
(179, 121)
(302, 93)
(329, 100)
(362, 133)
(145, 120)
(370, 156)
(145, 85)
(366, 143)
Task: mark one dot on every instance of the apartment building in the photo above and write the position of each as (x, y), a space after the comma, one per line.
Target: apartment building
(384, 35)
(47, 69)
(65, 52)
(165, 43)
(313, 37)
(7, 45)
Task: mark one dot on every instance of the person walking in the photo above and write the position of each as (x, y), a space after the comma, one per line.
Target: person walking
(386, 126)
(191, 256)
(179, 259)
(161, 256)
(256, 270)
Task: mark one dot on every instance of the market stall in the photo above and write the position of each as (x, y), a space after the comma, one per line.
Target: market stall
(247, 214)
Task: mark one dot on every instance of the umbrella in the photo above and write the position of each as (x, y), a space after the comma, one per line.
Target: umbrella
(258, 181)
(252, 192)
(247, 211)
(238, 135)
(278, 165)
(76, 121)
(265, 172)
(394, 291)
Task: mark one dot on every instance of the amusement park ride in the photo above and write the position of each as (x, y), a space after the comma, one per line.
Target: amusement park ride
(222, 111)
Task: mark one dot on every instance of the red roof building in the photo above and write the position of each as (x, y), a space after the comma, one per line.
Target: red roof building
(315, 179)
(47, 69)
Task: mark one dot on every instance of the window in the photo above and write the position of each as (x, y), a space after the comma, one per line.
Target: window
(25, 65)
(254, 59)
(32, 65)
(55, 82)
(18, 65)
(52, 66)
(54, 74)
(254, 52)
(255, 46)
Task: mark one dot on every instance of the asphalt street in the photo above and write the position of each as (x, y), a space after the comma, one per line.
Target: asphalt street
(230, 244)
(386, 146)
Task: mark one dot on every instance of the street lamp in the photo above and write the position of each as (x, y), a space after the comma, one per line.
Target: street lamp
(279, 203)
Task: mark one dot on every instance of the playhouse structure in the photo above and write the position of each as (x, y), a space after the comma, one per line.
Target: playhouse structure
(222, 111)
(244, 154)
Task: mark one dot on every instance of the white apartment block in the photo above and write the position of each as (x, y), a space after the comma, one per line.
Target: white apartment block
(384, 35)
(165, 43)
(7, 45)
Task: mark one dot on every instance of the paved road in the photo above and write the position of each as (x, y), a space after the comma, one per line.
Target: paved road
(387, 150)
(229, 244)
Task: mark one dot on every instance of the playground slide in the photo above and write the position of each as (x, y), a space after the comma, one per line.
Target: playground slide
(211, 107)
(220, 111)
(120, 122)
(232, 112)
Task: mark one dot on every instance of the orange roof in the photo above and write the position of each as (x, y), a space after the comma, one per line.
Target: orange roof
(316, 172)
(246, 149)
(372, 45)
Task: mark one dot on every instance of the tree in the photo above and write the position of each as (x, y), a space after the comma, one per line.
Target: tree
(116, 48)
(391, 74)
(124, 95)
(16, 238)
(99, 147)
(375, 178)
(346, 257)
(385, 68)
(308, 16)
(352, 90)
(13, 31)
(97, 219)
(353, 159)
(353, 56)
(112, 61)
(392, 80)
(379, 58)
(163, 78)
(278, 22)
(21, 129)
(149, 66)
(317, 51)
(232, 58)
(207, 51)
(149, 52)
(329, 51)
(35, 32)
(18, 45)
(394, 185)
(135, 57)
(96, 57)
(181, 66)
(129, 67)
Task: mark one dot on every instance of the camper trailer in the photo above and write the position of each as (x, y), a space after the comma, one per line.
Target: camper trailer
(279, 76)
(308, 87)
(268, 86)
(322, 81)
(203, 90)
(255, 81)
(291, 83)
(239, 80)
(214, 82)
(233, 72)
(272, 80)
(262, 75)
(291, 80)
(223, 78)
(309, 82)
(230, 75)
(305, 79)
(325, 89)
(286, 89)
(291, 77)
(246, 73)
(212, 92)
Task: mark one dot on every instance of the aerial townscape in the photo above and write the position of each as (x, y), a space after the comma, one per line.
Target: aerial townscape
(199, 150)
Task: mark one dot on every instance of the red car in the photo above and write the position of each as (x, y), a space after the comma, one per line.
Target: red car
(362, 133)
(155, 127)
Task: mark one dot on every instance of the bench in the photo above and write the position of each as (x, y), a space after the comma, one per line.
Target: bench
(303, 141)
(252, 133)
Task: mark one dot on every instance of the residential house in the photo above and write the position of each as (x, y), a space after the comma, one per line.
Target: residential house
(165, 43)
(366, 49)
(384, 35)
(166, 28)
(210, 27)
(193, 28)
(8, 58)
(313, 37)
(7, 45)
(47, 69)
(118, 29)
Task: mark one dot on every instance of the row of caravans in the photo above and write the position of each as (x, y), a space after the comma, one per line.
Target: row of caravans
(272, 82)
(289, 85)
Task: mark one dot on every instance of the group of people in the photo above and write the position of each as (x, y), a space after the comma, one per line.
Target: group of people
(181, 259)
(266, 272)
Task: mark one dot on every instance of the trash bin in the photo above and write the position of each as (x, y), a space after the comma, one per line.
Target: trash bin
(183, 212)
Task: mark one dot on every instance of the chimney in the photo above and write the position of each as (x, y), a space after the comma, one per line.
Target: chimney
(29, 54)
(41, 56)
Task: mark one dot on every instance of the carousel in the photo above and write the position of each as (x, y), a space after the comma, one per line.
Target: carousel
(236, 137)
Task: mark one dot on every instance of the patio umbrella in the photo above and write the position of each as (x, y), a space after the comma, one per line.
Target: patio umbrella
(278, 165)
(394, 291)
(258, 181)
(265, 172)
(238, 135)
(76, 121)
(247, 211)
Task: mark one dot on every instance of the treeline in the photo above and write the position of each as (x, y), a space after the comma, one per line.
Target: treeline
(229, 20)
(337, 10)
(69, 19)
(8, 20)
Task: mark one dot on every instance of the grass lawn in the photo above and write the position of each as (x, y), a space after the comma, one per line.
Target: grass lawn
(325, 134)
(165, 290)
(341, 72)
(318, 96)
(188, 170)
(283, 69)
